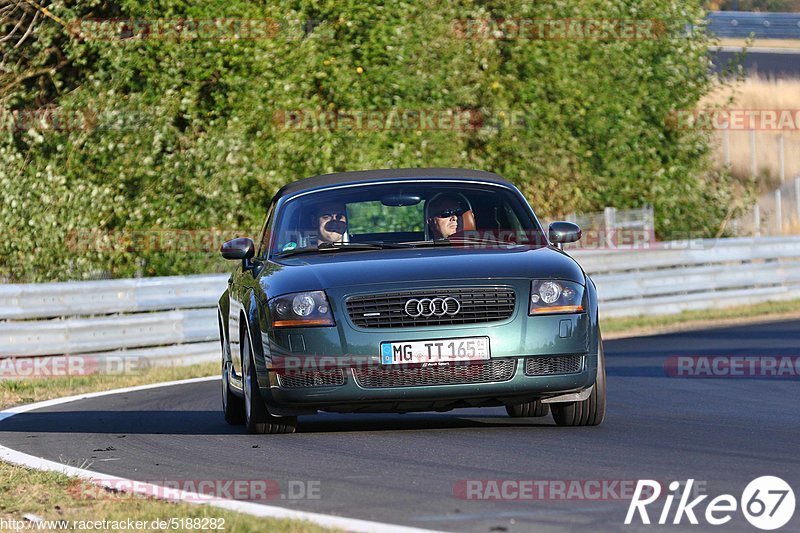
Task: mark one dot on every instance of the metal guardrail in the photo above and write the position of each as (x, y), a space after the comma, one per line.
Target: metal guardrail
(172, 320)
(692, 275)
(167, 320)
(740, 24)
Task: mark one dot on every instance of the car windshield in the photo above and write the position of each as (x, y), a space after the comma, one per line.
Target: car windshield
(414, 214)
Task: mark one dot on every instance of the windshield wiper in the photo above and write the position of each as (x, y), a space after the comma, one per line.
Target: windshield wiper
(353, 246)
(369, 245)
(437, 242)
(482, 240)
(460, 240)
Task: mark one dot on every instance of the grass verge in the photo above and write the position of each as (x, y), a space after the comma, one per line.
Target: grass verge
(689, 320)
(791, 44)
(19, 391)
(55, 497)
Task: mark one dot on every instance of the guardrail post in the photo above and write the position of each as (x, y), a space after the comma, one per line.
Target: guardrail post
(778, 212)
(797, 197)
(756, 220)
(782, 158)
(753, 155)
(610, 225)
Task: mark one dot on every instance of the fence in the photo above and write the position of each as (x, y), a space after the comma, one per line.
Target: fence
(172, 320)
(769, 154)
(612, 224)
(740, 24)
(775, 213)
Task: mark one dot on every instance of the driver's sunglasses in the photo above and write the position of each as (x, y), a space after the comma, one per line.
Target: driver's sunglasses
(333, 216)
(456, 211)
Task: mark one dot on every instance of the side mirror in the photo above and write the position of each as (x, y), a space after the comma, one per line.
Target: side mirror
(241, 248)
(563, 232)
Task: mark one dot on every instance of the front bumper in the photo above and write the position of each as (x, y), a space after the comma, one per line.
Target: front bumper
(516, 339)
(352, 396)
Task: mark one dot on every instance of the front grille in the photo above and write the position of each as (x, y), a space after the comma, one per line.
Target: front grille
(542, 366)
(494, 370)
(299, 380)
(387, 310)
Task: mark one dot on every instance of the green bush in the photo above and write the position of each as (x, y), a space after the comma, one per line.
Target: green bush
(186, 135)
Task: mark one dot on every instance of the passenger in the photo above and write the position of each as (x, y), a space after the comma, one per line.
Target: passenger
(330, 221)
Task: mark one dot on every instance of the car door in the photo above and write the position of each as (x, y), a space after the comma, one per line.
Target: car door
(241, 283)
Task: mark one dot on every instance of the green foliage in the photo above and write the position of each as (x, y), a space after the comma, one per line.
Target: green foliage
(373, 217)
(170, 134)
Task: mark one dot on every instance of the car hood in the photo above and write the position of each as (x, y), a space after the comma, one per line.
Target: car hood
(372, 267)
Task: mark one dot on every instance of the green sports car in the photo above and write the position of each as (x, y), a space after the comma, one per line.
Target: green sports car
(407, 290)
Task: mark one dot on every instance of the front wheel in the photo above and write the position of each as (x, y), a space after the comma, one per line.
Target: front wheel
(592, 410)
(232, 405)
(256, 417)
(528, 409)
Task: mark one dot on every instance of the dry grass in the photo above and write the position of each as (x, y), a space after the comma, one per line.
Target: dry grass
(19, 391)
(56, 497)
(614, 328)
(790, 44)
(760, 93)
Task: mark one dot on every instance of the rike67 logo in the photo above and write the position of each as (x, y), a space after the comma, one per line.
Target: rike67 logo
(767, 503)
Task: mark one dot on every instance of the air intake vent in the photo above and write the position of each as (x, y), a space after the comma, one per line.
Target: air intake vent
(383, 377)
(300, 380)
(542, 366)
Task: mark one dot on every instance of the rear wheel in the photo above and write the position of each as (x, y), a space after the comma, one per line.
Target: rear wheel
(592, 410)
(528, 409)
(256, 417)
(232, 405)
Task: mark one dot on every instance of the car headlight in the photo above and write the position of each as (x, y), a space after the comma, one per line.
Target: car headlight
(300, 309)
(555, 296)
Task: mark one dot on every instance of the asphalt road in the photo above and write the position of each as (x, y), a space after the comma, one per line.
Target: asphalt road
(764, 63)
(402, 469)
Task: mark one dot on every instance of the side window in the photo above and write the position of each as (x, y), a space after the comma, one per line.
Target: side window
(266, 233)
(513, 222)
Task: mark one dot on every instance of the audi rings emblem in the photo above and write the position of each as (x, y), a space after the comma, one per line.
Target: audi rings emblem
(429, 307)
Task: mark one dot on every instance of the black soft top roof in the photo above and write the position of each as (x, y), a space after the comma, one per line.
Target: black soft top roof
(411, 174)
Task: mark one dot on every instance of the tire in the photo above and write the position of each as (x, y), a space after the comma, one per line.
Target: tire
(232, 405)
(592, 410)
(528, 409)
(257, 419)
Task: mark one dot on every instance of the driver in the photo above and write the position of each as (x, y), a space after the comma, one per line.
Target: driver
(330, 221)
(444, 213)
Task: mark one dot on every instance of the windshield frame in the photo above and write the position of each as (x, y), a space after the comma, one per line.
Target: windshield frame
(280, 204)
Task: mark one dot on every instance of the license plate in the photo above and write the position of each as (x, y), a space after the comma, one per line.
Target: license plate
(435, 351)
